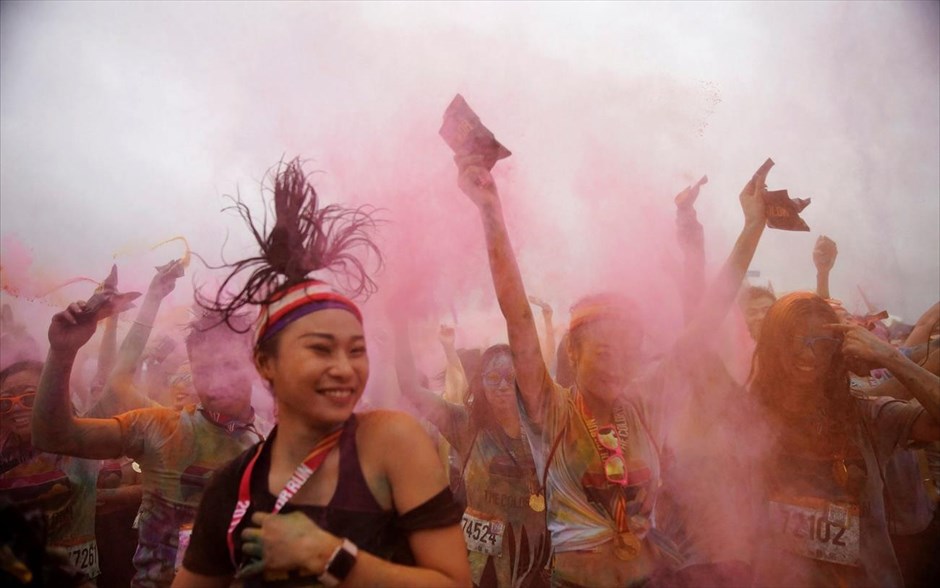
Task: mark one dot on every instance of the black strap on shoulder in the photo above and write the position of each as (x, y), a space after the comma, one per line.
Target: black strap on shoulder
(466, 458)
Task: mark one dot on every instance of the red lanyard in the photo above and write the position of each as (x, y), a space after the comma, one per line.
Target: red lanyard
(300, 476)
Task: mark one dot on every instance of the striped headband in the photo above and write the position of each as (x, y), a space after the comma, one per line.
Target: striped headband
(298, 301)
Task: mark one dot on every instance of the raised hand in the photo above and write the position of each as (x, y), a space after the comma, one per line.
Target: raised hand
(165, 279)
(447, 335)
(545, 306)
(70, 329)
(824, 254)
(860, 343)
(475, 180)
(752, 195)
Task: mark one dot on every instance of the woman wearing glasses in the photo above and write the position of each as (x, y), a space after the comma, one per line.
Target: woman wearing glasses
(823, 517)
(62, 487)
(504, 523)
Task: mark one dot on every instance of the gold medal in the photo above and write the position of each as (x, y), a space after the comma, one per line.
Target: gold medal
(537, 502)
(626, 546)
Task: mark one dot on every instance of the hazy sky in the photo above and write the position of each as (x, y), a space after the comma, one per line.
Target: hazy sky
(124, 124)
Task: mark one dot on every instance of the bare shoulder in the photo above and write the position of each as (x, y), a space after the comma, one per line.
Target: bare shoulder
(389, 426)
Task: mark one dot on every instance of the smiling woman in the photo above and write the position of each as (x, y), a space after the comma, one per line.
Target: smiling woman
(823, 517)
(332, 496)
(61, 487)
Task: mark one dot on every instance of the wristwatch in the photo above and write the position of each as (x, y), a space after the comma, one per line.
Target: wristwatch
(340, 564)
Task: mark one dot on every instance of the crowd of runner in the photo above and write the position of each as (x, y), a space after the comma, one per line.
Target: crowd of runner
(807, 454)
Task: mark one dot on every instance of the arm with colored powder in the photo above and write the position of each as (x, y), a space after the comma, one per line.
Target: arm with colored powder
(456, 386)
(824, 258)
(445, 415)
(55, 428)
(531, 372)
(924, 386)
(107, 353)
(720, 295)
(926, 324)
(691, 238)
(120, 394)
(548, 330)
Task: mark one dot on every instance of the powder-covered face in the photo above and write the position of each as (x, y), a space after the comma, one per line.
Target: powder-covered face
(17, 396)
(810, 350)
(605, 355)
(222, 374)
(499, 384)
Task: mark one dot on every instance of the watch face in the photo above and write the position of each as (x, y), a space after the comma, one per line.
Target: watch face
(342, 564)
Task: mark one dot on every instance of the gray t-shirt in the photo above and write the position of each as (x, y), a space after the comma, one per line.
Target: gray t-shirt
(885, 426)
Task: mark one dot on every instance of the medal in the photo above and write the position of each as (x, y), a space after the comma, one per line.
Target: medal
(626, 546)
(537, 502)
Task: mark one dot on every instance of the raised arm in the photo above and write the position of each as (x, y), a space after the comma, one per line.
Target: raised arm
(924, 327)
(107, 353)
(824, 258)
(548, 330)
(456, 385)
(924, 386)
(531, 373)
(691, 238)
(446, 416)
(55, 428)
(721, 293)
(119, 393)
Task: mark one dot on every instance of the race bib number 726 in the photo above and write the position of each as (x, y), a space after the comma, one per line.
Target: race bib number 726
(84, 556)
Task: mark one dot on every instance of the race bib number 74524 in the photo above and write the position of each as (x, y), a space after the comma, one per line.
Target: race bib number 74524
(817, 529)
(483, 535)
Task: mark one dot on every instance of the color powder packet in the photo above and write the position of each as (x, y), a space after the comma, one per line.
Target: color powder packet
(783, 212)
(466, 135)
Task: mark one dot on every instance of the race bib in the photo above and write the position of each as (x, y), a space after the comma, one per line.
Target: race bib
(186, 533)
(815, 528)
(84, 556)
(483, 535)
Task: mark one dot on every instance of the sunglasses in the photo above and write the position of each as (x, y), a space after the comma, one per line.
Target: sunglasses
(494, 378)
(7, 403)
(615, 467)
(822, 344)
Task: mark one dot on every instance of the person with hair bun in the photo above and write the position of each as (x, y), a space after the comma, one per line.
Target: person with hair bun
(332, 496)
(823, 511)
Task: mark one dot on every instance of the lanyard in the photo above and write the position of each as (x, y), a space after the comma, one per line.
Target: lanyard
(620, 421)
(617, 510)
(300, 476)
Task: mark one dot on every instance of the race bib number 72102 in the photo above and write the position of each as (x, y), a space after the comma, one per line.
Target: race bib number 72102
(483, 535)
(818, 529)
